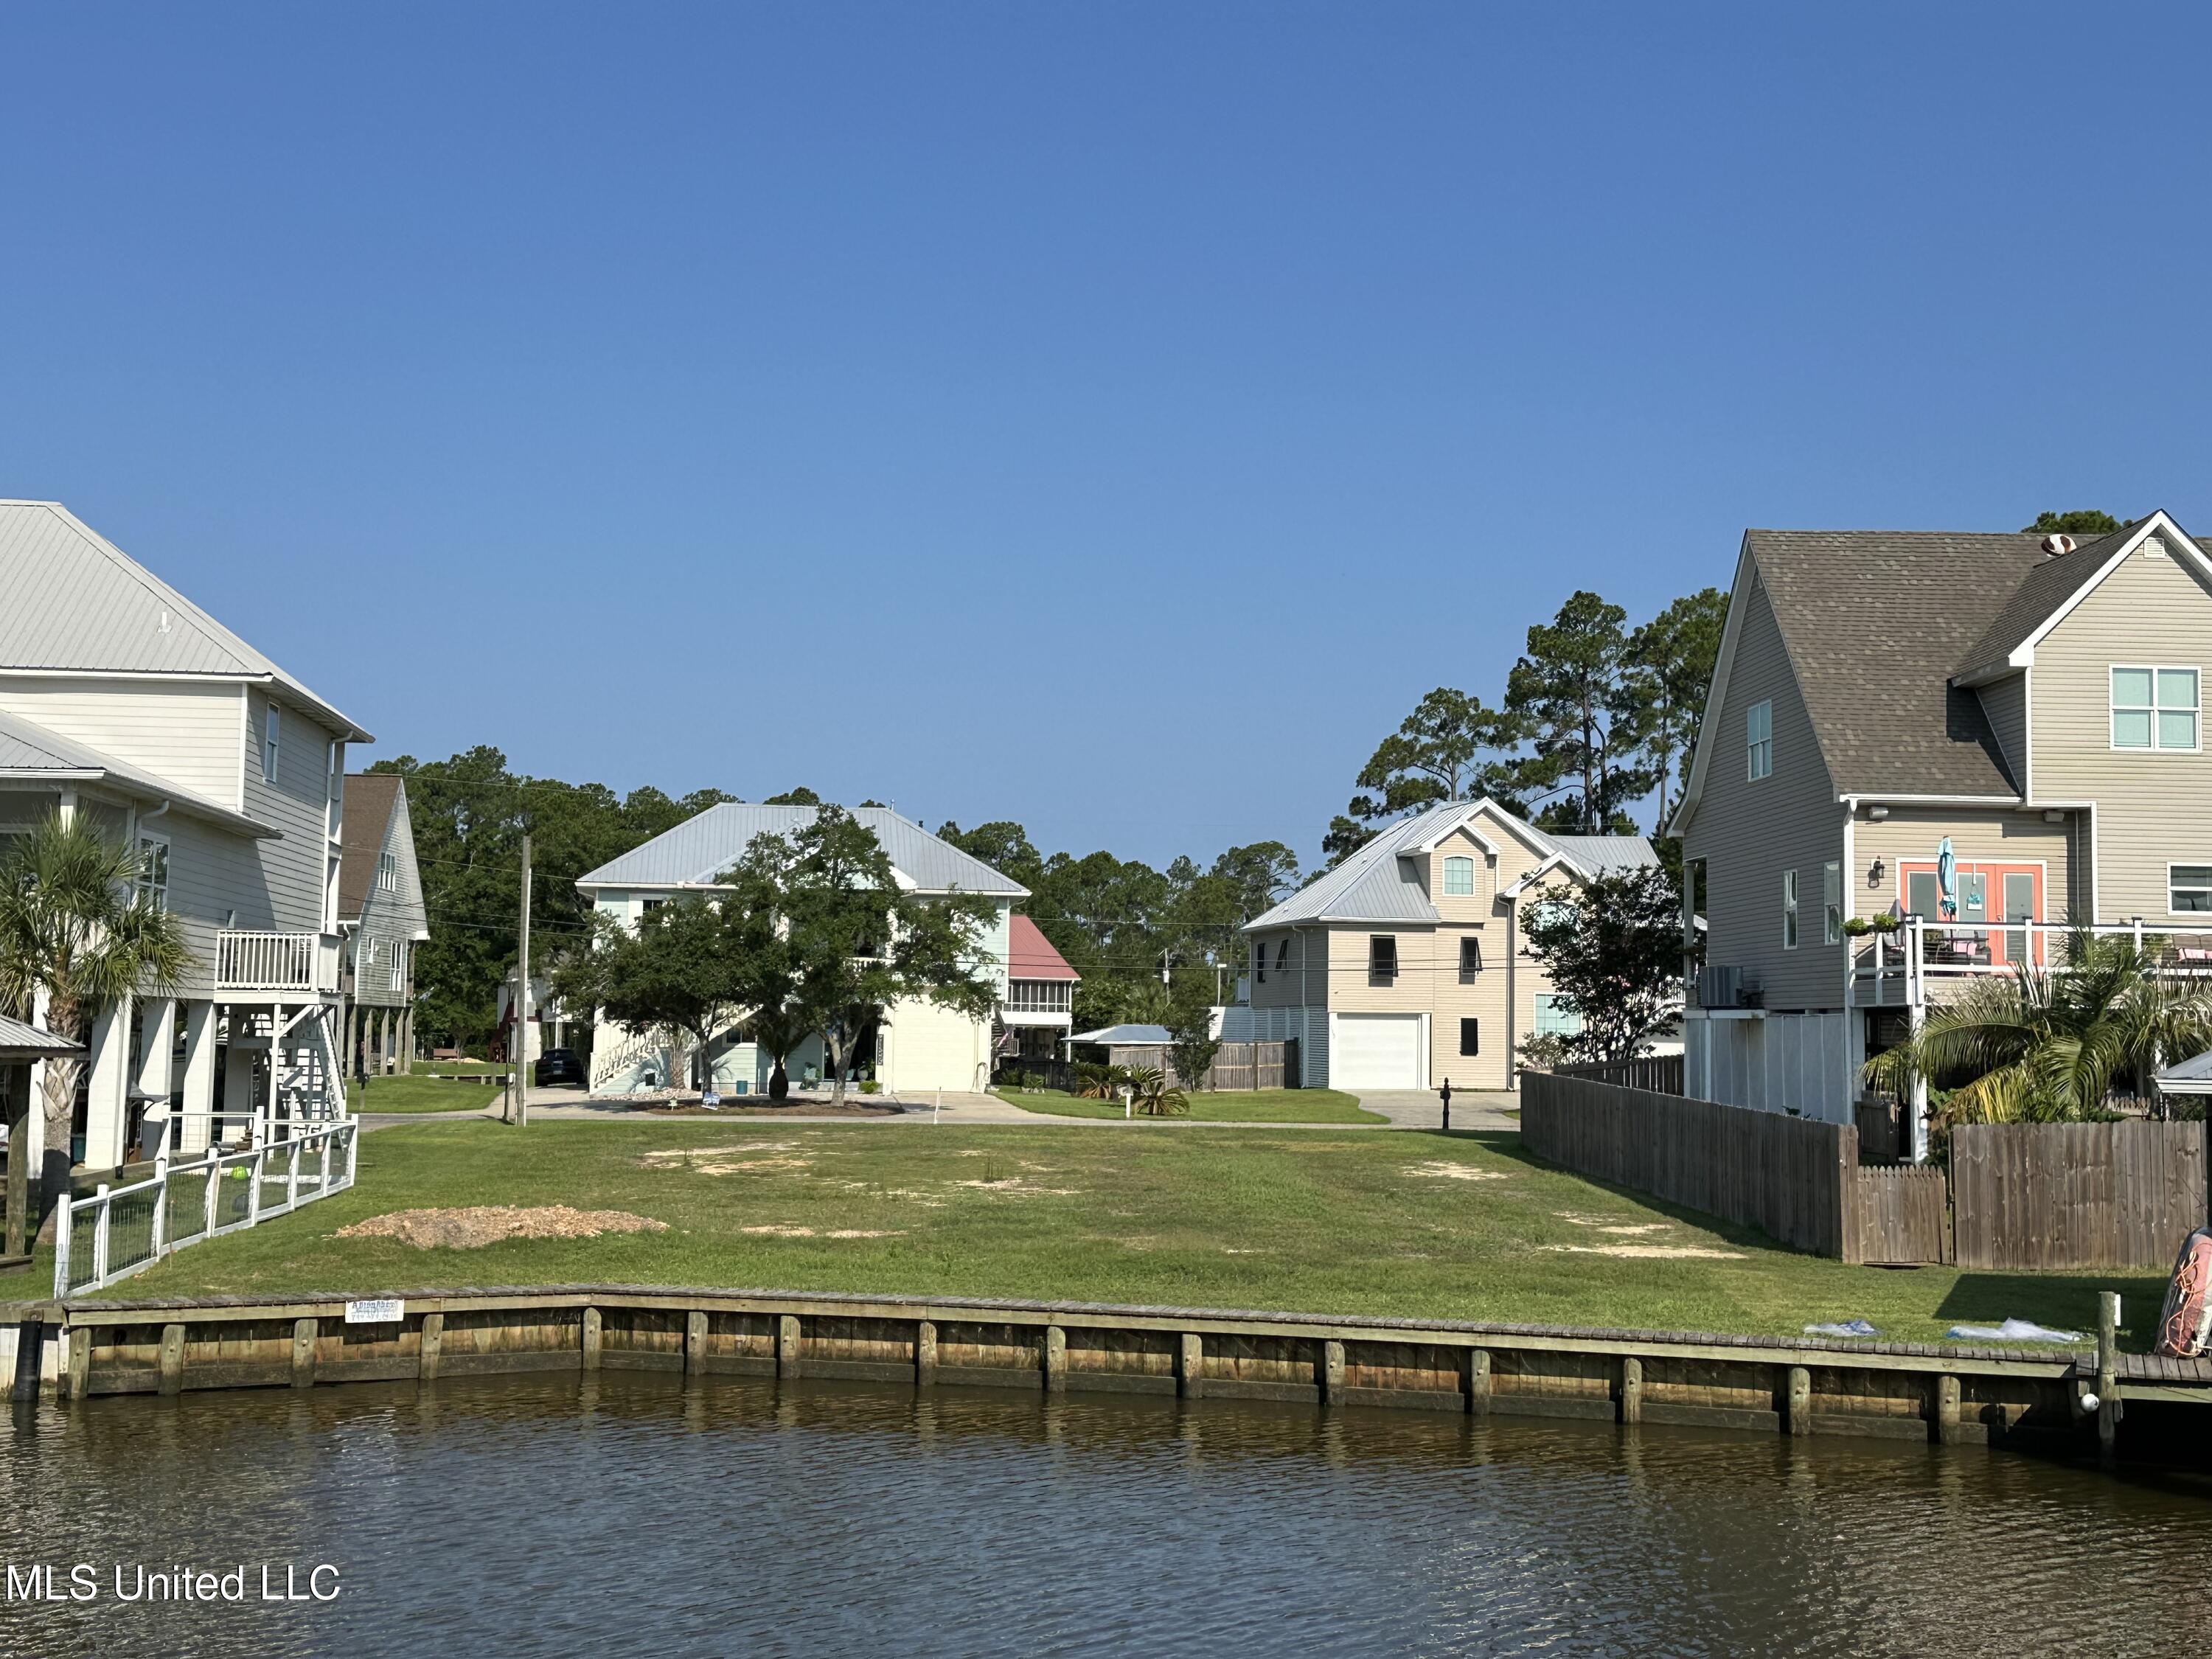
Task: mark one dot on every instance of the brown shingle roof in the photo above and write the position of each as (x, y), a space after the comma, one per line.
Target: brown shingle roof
(368, 798)
(1875, 622)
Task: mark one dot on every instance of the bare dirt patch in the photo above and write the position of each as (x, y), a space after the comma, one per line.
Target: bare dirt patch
(867, 1106)
(1650, 1251)
(729, 1160)
(1627, 1229)
(775, 1231)
(481, 1225)
(1437, 1169)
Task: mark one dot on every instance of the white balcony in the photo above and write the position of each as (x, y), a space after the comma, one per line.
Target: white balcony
(306, 962)
(1926, 961)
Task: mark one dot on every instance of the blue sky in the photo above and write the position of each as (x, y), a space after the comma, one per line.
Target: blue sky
(1112, 417)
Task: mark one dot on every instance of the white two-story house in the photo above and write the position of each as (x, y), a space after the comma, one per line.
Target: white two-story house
(1924, 756)
(919, 1044)
(123, 702)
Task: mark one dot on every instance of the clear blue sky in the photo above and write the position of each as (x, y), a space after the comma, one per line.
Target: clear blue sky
(1112, 417)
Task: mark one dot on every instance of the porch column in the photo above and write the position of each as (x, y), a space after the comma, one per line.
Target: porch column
(384, 1050)
(113, 1066)
(156, 1060)
(238, 1073)
(407, 1039)
(1916, 1108)
(192, 1129)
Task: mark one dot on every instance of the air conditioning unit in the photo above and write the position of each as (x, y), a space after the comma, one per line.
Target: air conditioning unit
(1719, 987)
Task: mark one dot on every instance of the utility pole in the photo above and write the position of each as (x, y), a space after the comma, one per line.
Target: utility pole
(519, 1053)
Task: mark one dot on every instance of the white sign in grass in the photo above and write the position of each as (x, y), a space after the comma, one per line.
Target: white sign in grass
(377, 1311)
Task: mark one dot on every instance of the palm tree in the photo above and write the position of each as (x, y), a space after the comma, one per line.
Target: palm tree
(2041, 1046)
(1150, 1094)
(75, 933)
(778, 1029)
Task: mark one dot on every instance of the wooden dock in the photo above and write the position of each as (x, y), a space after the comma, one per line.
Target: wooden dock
(1950, 1394)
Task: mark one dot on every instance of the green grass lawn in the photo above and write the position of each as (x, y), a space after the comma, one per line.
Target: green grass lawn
(419, 1093)
(1237, 1106)
(1409, 1225)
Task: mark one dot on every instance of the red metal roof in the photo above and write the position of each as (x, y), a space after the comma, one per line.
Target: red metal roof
(1029, 954)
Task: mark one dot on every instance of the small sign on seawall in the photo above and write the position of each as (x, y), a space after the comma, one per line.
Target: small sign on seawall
(377, 1311)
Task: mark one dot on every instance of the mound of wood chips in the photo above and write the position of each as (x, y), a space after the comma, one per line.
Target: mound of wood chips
(481, 1225)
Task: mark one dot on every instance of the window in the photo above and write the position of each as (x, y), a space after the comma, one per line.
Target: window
(1260, 960)
(1759, 739)
(269, 725)
(1831, 904)
(2154, 709)
(153, 883)
(1459, 878)
(1282, 953)
(1789, 910)
(1470, 957)
(1470, 1037)
(1383, 956)
(647, 907)
(2189, 889)
(1553, 1018)
(387, 872)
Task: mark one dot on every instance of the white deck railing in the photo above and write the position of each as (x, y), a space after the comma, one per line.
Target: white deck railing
(275, 962)
(1899, 968)
(121, 1231)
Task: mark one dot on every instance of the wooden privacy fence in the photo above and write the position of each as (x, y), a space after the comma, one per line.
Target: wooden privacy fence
(2075, 1194)
(1904, 1215)
(1661, 1073)
(1790, 1178)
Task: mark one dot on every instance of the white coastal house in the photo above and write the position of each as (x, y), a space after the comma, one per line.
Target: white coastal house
(918, 1045)
(123, 703)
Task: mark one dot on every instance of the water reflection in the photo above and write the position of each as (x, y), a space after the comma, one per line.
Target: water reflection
(547, 1516)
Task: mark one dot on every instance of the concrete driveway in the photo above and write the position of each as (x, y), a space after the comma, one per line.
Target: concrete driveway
(1471, 1109)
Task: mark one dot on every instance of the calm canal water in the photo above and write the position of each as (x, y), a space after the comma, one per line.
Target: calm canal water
(550, 1516)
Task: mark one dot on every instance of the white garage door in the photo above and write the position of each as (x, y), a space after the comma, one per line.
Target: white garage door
(1375, 1051)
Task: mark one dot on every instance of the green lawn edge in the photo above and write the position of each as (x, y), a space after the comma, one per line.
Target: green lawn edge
(1253, 1106)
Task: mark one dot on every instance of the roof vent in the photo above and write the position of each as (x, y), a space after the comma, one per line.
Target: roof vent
(2054, 545)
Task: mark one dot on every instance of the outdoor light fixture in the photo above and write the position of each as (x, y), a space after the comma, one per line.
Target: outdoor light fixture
(1876, 814)
(1874, 873)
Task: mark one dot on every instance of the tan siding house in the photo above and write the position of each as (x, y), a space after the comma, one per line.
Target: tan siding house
(1969, 732)
(1405, 966)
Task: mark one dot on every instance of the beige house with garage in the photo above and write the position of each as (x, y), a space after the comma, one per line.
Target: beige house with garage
(1977, 739)
(124, 704)
(1407, 965)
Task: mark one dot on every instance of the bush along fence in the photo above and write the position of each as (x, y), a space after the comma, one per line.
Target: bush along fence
(1237, 1065)
(121, 1231)
(2018, 1195)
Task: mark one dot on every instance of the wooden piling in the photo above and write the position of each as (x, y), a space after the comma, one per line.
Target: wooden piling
(2108, 1375)
(1632, 1389)
(786, 1344)
(1055, 1359)
(1190, 1366)
(1945, 1427)
(433, 1341)
(173, 1359)
(80, 1361)
(1799, 1411)
(694, 1342)
(1332, 1372)
(592, 1326)
(303, 1352)
(1477, 1381)
(925, 1353)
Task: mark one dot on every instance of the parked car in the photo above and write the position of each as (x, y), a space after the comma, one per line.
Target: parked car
(557, 1066)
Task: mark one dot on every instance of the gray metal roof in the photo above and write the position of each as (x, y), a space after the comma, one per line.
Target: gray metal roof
(21, 1042)
(77, 602)
(2189, 1077)
(31, 753)
(1374, 885)
(1126, 1035)
(699, 849)
(1607, 854)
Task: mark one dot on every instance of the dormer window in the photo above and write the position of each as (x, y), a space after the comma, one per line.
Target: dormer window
(387, 872)
(1459, 877)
